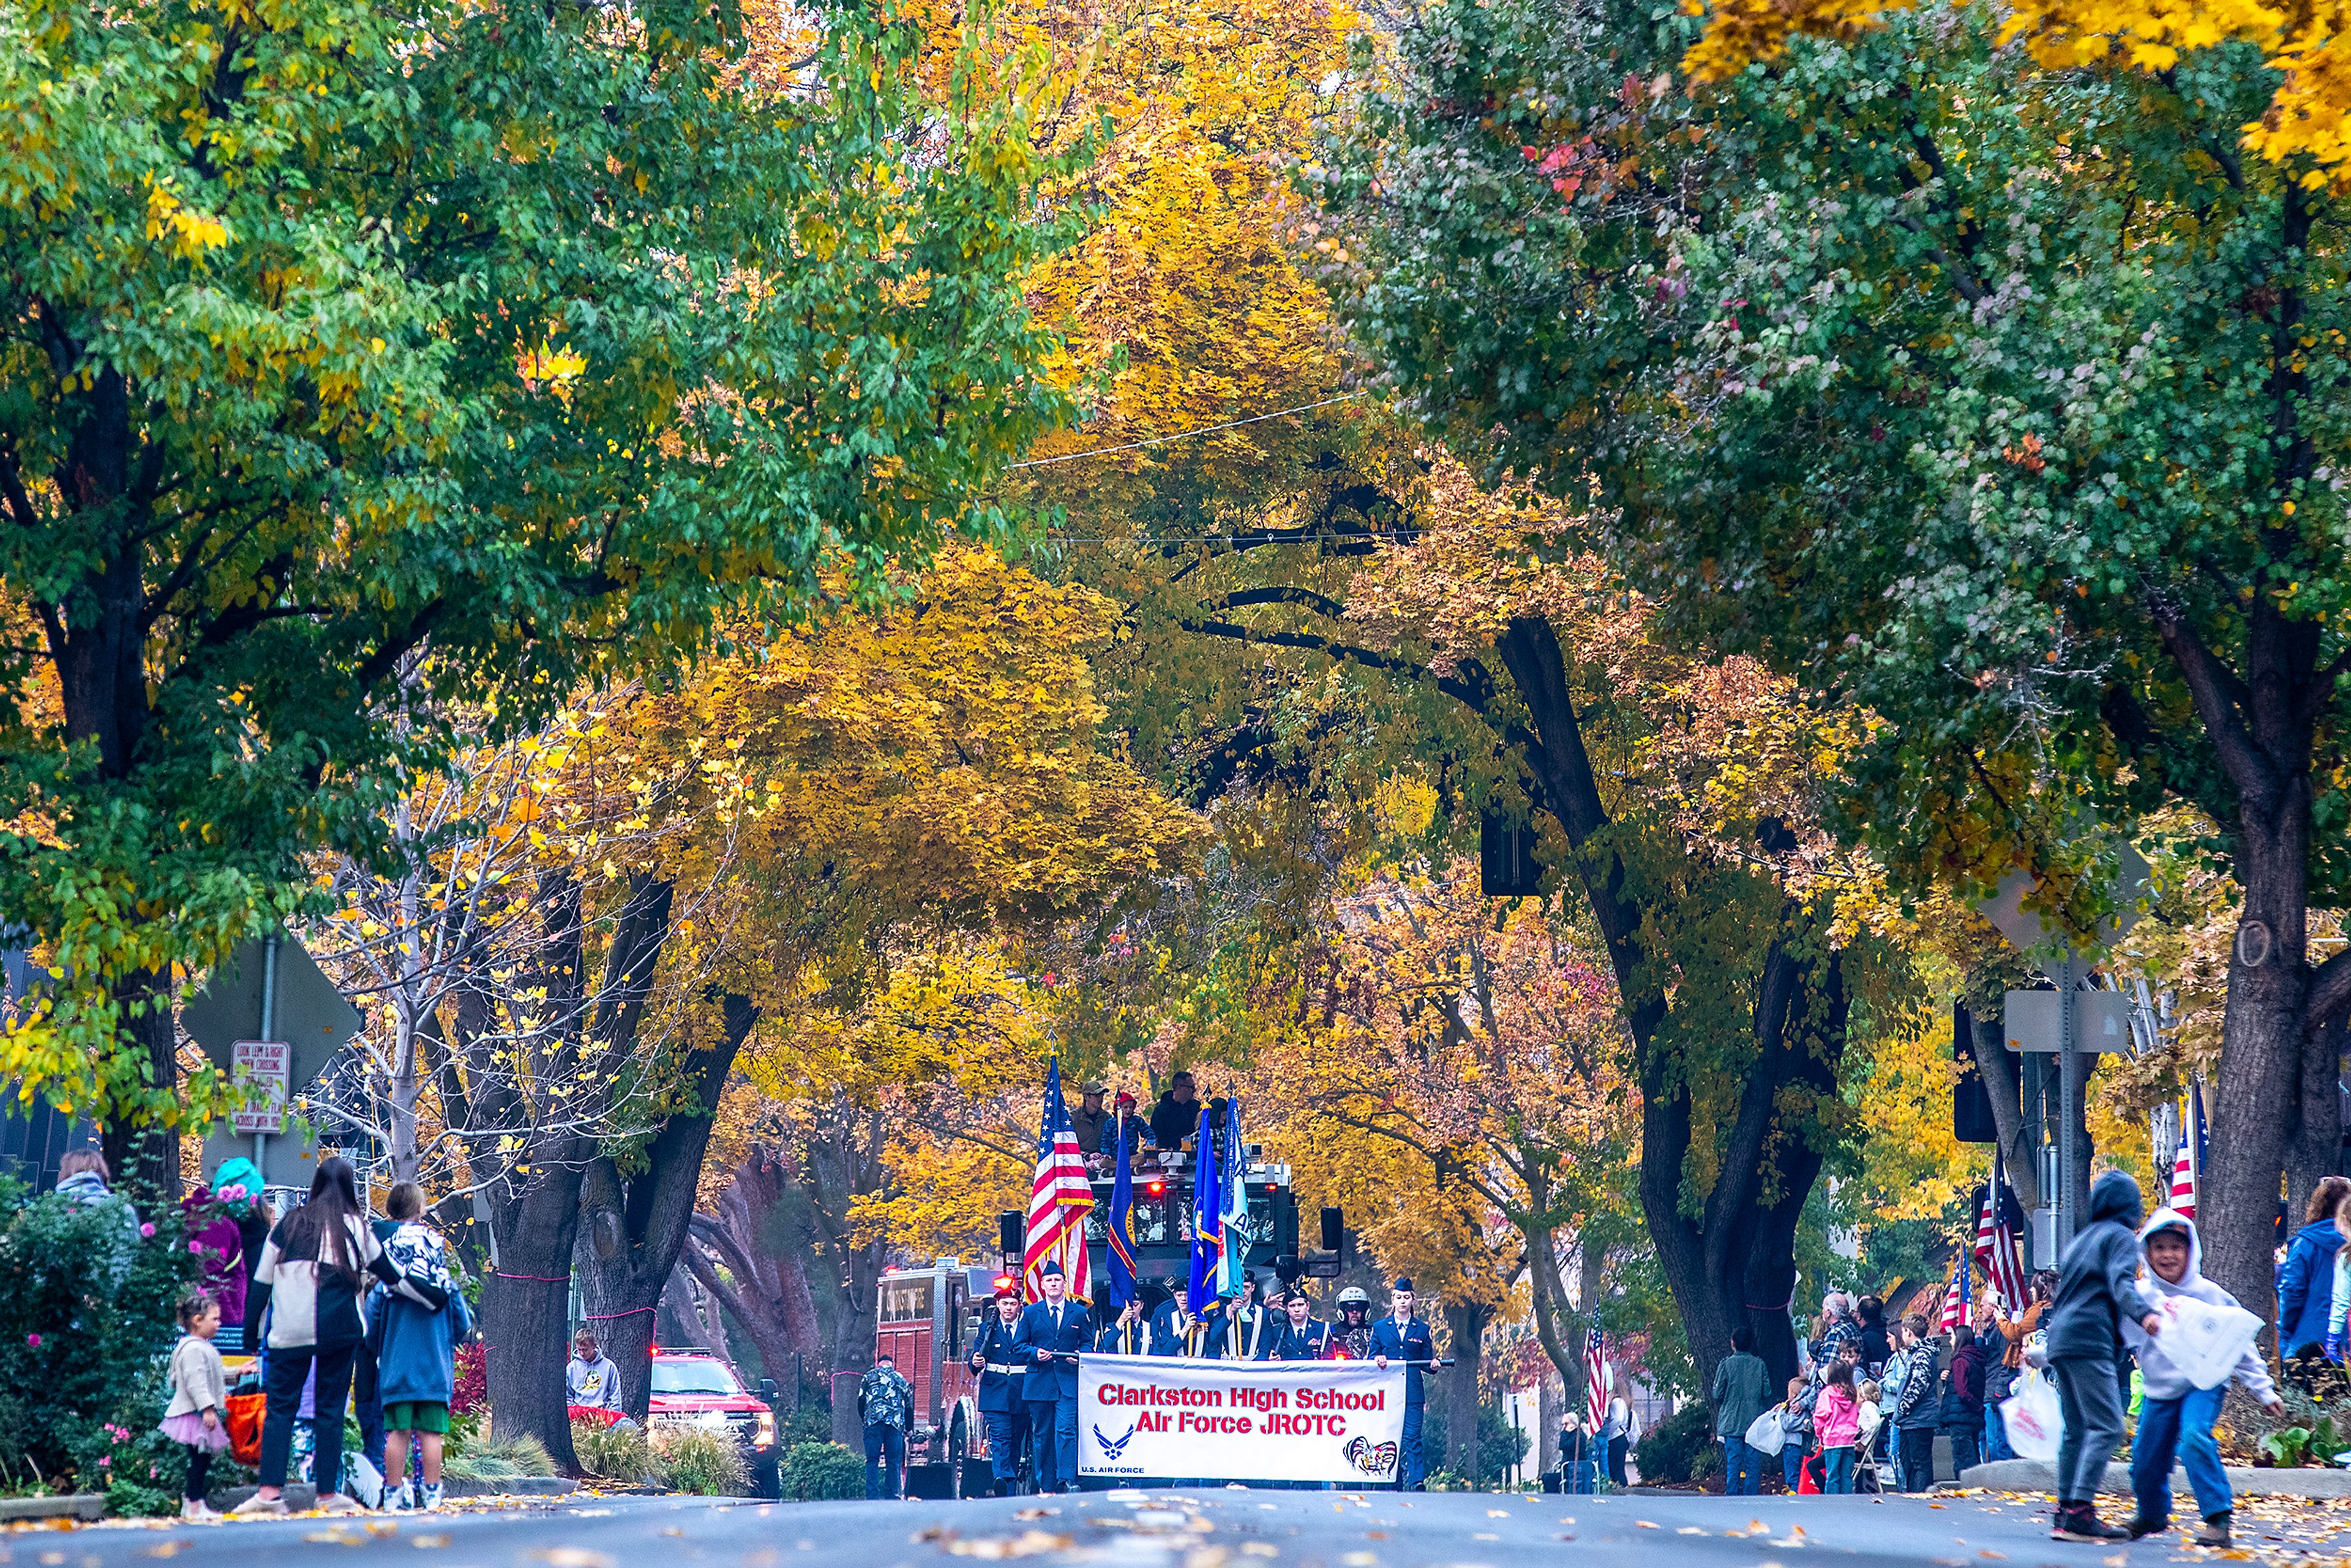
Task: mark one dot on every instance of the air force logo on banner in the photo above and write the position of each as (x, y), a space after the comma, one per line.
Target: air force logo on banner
(1372, 1458)
(1113, 1447)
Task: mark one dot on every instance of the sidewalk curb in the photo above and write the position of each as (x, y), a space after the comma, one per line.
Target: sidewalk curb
(2245, 1480)
(83, 1505)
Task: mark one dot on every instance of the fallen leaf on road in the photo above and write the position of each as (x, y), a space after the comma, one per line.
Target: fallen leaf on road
(1375, 1535)
(1260, 1549)
(1689, 1530)
(572, 1557)
(673, 1530)
(994, 1548)
(339, 1537)
(1643, 1524)
(576, 1513)
(169, 1547)
(2117, 1561)
(1359, 1560)
(1498, 1513)
(427, 1543)
(932, 1532)
(1483, 1535)
(1988, 1551)
(1034, 1512)
(1208, 1557)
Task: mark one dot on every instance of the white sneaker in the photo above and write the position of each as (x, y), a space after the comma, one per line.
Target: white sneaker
(336, 1503)
(402, 1497)
(263, 1507)
(196, 1508)
(431, 1499)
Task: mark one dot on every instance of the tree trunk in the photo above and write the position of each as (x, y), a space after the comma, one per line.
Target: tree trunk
(2020, 1139)
(1733, 1261)
(852, 1349)
(526, 1308)
(2315, 1150)
(1465, 1322)
(633, 1229)
(145, 1160)
(2262, 1056)
(768, 1291)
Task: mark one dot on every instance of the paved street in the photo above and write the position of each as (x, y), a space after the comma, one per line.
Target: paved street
(1181, 1529)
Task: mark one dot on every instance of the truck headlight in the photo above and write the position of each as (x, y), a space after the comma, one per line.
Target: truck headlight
(763, 1429)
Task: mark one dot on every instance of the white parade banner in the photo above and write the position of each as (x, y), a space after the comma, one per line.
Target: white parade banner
(1175, 1418)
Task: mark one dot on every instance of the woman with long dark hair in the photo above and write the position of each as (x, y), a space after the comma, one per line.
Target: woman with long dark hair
(315, 1264)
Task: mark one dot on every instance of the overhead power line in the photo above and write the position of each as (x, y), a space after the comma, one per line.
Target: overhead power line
(1181, 434)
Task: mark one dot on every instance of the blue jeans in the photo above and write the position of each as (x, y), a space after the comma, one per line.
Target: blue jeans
(885, 1446)
(2182, 1427)
(1005, 1430)
(1915, 1456)
(1995, 1438)
(1836, 1470)
(1742, 1468)
(1792, 1462)
(1410, 1471)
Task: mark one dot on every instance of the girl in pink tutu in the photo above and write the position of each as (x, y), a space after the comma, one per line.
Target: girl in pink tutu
(199, 1395)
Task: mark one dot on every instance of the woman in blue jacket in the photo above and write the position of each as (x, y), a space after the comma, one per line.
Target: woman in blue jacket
(2307, 1284)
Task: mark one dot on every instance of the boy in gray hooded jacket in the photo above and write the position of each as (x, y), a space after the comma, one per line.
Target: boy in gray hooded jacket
(2097, 1286)
(2175, 1415)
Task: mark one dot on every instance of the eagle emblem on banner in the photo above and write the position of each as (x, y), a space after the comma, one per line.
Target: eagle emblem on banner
(1113, 1447)
(1372, 1458)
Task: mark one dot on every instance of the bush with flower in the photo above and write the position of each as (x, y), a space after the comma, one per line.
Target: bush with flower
(86, 1323)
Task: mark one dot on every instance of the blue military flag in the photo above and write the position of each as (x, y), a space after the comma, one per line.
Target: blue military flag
(1118, 1254)
(1233, 1213)
(1207, 1222)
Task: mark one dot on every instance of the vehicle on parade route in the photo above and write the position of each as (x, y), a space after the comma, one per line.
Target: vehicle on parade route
(928, 1315)
(693, 1387)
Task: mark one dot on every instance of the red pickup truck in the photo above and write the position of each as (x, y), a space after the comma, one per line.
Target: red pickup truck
(693, 1387)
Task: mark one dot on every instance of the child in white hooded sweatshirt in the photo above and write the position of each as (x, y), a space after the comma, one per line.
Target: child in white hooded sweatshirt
(2175, 1415)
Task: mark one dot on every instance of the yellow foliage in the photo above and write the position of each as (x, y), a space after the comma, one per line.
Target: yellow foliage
(1913, 1167)
(2309, 115)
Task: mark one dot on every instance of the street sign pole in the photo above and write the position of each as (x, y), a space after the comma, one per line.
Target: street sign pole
(269, 1031)
(2072, 1071)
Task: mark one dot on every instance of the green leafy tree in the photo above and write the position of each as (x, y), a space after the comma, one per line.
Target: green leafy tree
(2004, 406)
(358, 363)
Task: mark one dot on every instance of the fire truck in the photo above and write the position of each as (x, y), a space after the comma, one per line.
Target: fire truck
(928, 1315)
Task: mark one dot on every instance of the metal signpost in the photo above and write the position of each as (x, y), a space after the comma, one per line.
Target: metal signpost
(303, 1021)
(2082, 1021)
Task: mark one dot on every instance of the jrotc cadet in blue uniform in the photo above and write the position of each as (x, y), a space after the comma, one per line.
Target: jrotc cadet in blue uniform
(1001, 1405)
(1400, 1336)
(1300, 1337)
(1052, 1332)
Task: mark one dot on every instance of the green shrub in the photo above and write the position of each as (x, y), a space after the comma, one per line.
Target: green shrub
(1675, 1450)
(617, 1453)
(814, 1472)
(497, 1459)
(88, 1316)
(702, 1462)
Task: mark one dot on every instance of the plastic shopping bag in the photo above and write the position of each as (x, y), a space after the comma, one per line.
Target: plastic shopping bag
(2033, 1420)
(2203, 1340)
(1767, 1434)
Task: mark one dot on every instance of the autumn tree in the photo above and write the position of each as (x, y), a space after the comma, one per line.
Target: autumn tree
(1487, 1041)
(863, 790)
(2024, 446)
(338, 341)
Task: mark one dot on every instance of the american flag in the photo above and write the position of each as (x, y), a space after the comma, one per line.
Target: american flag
(1059, 1200)
(2183, 1180)
(1996, 1250)
(1596, 1380)
(1957, 1301)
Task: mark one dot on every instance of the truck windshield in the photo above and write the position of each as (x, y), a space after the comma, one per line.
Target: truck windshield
(693, 1377)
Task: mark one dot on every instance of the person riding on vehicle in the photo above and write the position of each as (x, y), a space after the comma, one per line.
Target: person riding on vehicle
(1351, 1337)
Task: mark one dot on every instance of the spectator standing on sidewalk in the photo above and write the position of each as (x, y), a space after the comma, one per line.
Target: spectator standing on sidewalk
(1741, 1385)
(1964, 1397)
(885, 1402)
(1918, 1409)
